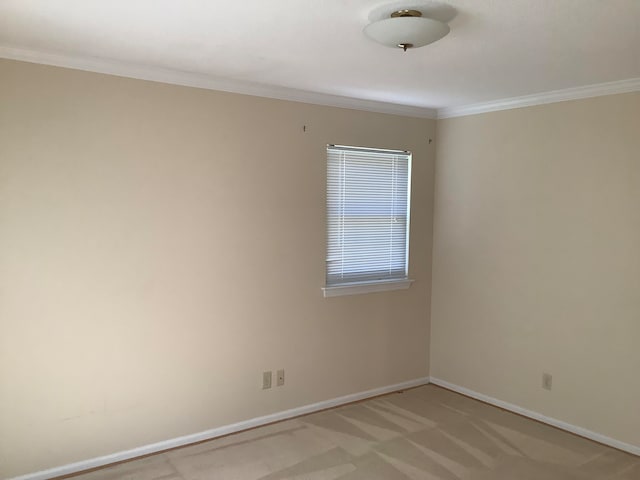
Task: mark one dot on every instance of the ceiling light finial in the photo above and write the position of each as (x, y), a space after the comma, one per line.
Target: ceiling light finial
(406, 28)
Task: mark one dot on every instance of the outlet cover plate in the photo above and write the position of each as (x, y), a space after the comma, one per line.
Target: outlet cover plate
(266, 380)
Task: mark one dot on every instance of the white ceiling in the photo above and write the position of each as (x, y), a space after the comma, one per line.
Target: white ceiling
(496, 49)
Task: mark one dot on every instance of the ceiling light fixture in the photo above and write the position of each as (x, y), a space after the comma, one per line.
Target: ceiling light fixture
(406, 29)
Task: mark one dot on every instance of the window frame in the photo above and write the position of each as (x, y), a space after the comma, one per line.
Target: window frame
(375, 285)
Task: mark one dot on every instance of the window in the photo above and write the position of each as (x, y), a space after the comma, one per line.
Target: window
(368, 195)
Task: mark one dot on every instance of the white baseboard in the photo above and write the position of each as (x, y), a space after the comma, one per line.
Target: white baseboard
(583, 432)
(216, 432)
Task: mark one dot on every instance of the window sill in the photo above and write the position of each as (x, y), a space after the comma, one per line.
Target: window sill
(366, 287)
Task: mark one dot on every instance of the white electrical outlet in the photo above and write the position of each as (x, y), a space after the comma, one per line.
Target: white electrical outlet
(280, 380)
(266, 380)
(547, 381)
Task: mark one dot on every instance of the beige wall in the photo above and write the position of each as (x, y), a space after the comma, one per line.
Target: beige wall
(537, 259)
(161, 246)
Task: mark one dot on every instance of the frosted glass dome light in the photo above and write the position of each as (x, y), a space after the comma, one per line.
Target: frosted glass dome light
(406, 29)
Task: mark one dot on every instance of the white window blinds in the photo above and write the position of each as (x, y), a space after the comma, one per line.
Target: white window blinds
(367, 214)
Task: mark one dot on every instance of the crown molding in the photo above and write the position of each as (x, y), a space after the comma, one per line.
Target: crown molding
(189, 79)
(588, 91)
(197, 80)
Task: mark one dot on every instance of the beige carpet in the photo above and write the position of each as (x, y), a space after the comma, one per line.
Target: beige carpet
(427, 433)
